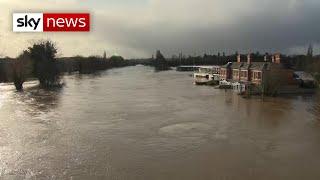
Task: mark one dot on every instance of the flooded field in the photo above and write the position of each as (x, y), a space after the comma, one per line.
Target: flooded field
(134, 123)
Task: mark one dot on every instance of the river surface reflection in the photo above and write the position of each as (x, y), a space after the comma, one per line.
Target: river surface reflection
(134, 123)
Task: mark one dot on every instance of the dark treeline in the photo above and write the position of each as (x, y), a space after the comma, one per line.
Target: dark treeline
(39, 61)
(91, 64)
(201, 60)
(206, 59)
(298, 62)
(10, 68)
(6, 69)
(174, 61)
(83, 65)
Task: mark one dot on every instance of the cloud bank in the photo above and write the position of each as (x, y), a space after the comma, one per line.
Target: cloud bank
(136, 28)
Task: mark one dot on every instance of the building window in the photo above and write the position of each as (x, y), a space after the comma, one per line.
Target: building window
(243, 74)
(259, 75)
(235, 73)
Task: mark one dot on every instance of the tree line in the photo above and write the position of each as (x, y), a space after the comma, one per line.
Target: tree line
(40, 61)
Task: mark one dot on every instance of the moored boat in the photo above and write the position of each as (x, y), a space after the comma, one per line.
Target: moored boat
(207, 75)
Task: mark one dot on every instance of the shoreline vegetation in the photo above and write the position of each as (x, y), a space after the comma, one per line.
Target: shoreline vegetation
(39, 61)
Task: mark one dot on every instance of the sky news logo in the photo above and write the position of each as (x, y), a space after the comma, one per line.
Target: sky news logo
(51, 22)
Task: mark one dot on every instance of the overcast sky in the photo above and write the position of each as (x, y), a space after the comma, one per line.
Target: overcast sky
(136, 28)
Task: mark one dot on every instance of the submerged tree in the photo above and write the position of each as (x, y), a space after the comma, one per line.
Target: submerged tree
(160, 62)
(159, 56)
(272, 83)
(104, 55)
(310, 51)
(45, 68)
(21, 69)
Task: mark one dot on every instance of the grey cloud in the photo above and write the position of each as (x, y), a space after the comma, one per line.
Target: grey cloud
(190, 26)
(271, 26)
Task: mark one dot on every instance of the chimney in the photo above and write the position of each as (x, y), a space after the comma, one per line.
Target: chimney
(277, 58)
(249, 58)
(239, 58)
(273, 59)
(266, 56)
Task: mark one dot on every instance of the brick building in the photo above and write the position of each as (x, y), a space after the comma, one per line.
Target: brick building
(270, 72)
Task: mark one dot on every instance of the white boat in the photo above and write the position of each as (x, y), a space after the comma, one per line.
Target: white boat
(207, 75)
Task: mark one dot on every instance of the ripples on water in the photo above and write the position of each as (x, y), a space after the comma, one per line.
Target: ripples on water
(133, 123)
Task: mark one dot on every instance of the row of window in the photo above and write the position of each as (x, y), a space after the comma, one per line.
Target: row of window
(223, 72)
(243, 74)
(256, 75)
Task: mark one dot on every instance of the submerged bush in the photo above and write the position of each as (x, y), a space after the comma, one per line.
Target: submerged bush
(45, 67)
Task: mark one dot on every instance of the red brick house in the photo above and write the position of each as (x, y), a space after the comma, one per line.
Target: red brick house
(264, 73)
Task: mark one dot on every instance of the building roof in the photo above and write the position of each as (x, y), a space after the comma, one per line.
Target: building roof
(227, 65)
(236, 65)
(245, 66)
(266, 66)
(258, 65)
(304, 76)
(253, 66)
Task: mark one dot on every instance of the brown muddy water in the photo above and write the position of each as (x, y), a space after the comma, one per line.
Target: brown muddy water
(133, 123)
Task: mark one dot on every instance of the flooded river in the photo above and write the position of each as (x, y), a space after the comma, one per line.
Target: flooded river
(133, 123)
